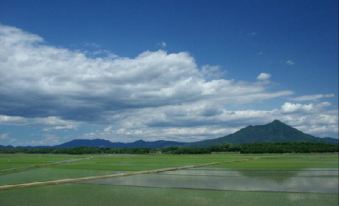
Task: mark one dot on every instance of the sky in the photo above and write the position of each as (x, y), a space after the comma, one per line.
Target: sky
(171, 70)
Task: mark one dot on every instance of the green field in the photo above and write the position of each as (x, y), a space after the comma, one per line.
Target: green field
(267, 179)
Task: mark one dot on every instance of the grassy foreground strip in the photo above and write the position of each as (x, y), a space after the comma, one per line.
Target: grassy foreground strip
(63, 181)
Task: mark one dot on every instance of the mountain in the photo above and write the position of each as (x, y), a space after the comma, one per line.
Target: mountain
(106, 143)
(86, 143)
(275, 131)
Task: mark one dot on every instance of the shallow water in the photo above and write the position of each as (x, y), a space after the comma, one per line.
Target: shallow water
(305, 181)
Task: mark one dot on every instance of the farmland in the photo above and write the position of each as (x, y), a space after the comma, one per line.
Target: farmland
(234, 179)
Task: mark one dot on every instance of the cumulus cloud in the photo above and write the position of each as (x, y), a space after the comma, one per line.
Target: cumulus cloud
(155, 95)
(210, 72)
(264, 76)
(289, 107)
(41, 80)
(201, 121)
(205, 120)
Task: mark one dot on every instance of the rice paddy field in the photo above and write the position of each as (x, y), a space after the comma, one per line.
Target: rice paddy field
(213, 179)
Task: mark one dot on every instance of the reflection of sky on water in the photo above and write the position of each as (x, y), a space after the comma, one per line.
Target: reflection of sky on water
(310, 180)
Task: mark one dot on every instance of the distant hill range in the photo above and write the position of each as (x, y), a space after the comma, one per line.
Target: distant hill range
(106, 143)
(274, 132)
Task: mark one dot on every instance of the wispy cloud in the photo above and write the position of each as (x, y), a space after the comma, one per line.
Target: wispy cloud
(290, 62)
(162, 44)
(51, 122)
(312, 97)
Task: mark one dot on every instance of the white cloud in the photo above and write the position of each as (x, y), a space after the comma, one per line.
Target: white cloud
(288, 107)
(290, 62)
(204, 120)
(264, 76)
(155, 95)
(5, 119)
(210, 72)
(313, 97)
(51, 122)
(55, 123)
(42, 80)
(201, 121)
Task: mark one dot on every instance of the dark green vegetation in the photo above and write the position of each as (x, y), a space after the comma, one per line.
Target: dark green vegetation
(76, 150)
(287, 147)
(293, 147)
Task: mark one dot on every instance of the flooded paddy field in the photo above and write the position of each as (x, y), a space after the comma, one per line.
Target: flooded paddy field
(294, 179)
(303, 181)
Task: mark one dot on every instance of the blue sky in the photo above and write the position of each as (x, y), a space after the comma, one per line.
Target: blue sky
(176, 70)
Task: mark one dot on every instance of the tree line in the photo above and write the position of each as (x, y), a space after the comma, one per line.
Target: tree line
(289, 147)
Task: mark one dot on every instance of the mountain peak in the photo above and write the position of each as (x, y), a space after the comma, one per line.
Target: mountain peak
(140, 141)
(276, 122)
(275, 131)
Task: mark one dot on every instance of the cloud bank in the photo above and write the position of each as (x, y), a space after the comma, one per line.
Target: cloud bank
(153, 94)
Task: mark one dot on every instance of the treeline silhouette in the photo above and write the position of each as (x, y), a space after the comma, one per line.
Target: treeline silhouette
(291, 147)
